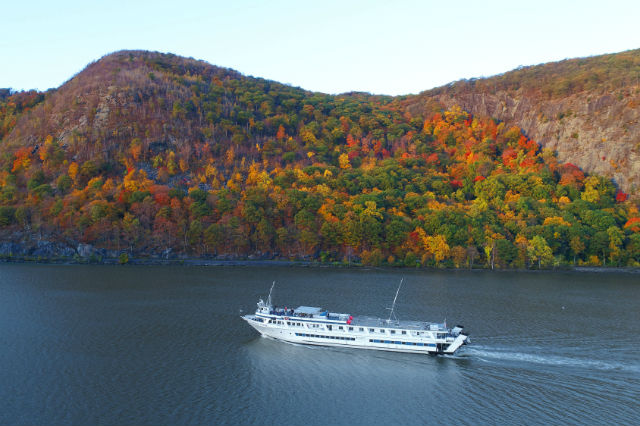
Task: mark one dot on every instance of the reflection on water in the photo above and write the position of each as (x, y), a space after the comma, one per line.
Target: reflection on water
(131, 345)
(328, 383)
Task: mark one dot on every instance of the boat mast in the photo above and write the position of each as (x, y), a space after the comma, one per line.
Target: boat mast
(393, 305)
(270, 291)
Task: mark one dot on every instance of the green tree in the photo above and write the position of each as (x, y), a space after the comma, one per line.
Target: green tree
(265, 234)
(540, 251)
(194, 234)
(7, 215)
(616, 237)
(600, 244)
(214, 236)
(633, 247)
(577, 247)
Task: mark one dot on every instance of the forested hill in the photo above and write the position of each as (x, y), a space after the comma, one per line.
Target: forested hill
(156, 155)
(586, 109)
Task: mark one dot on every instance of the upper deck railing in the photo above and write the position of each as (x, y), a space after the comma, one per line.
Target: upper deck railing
(360, 321)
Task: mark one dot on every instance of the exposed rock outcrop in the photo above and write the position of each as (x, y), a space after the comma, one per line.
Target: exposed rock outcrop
(35, 249)
(598, 133)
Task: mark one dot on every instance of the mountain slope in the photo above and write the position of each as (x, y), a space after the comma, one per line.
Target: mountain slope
(124, 96)
(587, 110)
(156, 155)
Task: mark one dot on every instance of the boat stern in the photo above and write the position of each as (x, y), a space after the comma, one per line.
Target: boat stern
(460, 338)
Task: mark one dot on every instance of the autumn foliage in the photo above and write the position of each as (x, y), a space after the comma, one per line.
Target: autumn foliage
(202, 161)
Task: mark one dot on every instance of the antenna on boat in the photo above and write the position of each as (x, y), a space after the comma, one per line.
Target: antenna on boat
(393, 305)
(270, 291)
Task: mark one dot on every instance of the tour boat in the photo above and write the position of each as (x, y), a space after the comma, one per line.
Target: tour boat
(316, 326)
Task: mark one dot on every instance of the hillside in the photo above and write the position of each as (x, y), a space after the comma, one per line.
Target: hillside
(156, 155)
(586, 109)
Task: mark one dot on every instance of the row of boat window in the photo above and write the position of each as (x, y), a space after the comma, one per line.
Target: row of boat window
(396, 342)
(325, 337)
(361, 329)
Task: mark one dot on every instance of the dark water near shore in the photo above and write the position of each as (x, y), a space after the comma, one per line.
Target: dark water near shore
(165, 345)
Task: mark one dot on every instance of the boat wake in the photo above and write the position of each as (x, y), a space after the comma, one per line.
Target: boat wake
(493, 355)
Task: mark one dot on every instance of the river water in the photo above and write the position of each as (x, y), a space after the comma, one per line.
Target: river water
(166, 345)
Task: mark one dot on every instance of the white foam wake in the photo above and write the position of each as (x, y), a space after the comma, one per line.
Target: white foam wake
(554, 360)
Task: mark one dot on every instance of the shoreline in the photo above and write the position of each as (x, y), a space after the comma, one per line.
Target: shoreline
(292, 263)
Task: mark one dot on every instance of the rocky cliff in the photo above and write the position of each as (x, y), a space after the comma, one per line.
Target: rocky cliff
(587, 110)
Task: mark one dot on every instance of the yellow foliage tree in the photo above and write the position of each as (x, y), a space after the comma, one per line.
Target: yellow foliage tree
(73, 171)
(136, 180)
(437, 246)
(555, 220)
(171, 163)
(371, 210)
(590, 193)
(44, 151)
(343, 161)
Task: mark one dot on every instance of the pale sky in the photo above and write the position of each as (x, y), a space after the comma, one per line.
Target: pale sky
(387, 47)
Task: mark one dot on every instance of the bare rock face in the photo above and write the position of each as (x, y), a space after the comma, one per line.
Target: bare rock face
(598, 133)
(84, 250)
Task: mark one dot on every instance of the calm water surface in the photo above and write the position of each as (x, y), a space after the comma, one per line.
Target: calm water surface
(165, 345)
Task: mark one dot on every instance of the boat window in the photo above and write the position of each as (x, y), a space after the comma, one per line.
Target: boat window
(382, 330)
(393, 332)
(288, 322)
(372, 330)
(404, 332)
(361, 328)
(328, 327)
(340, 327)
(350, 328)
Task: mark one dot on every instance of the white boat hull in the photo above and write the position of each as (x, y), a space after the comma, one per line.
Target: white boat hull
(360, 340)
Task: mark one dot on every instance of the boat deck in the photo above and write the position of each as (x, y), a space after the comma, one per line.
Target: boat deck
(306, 313)
(405, 325)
